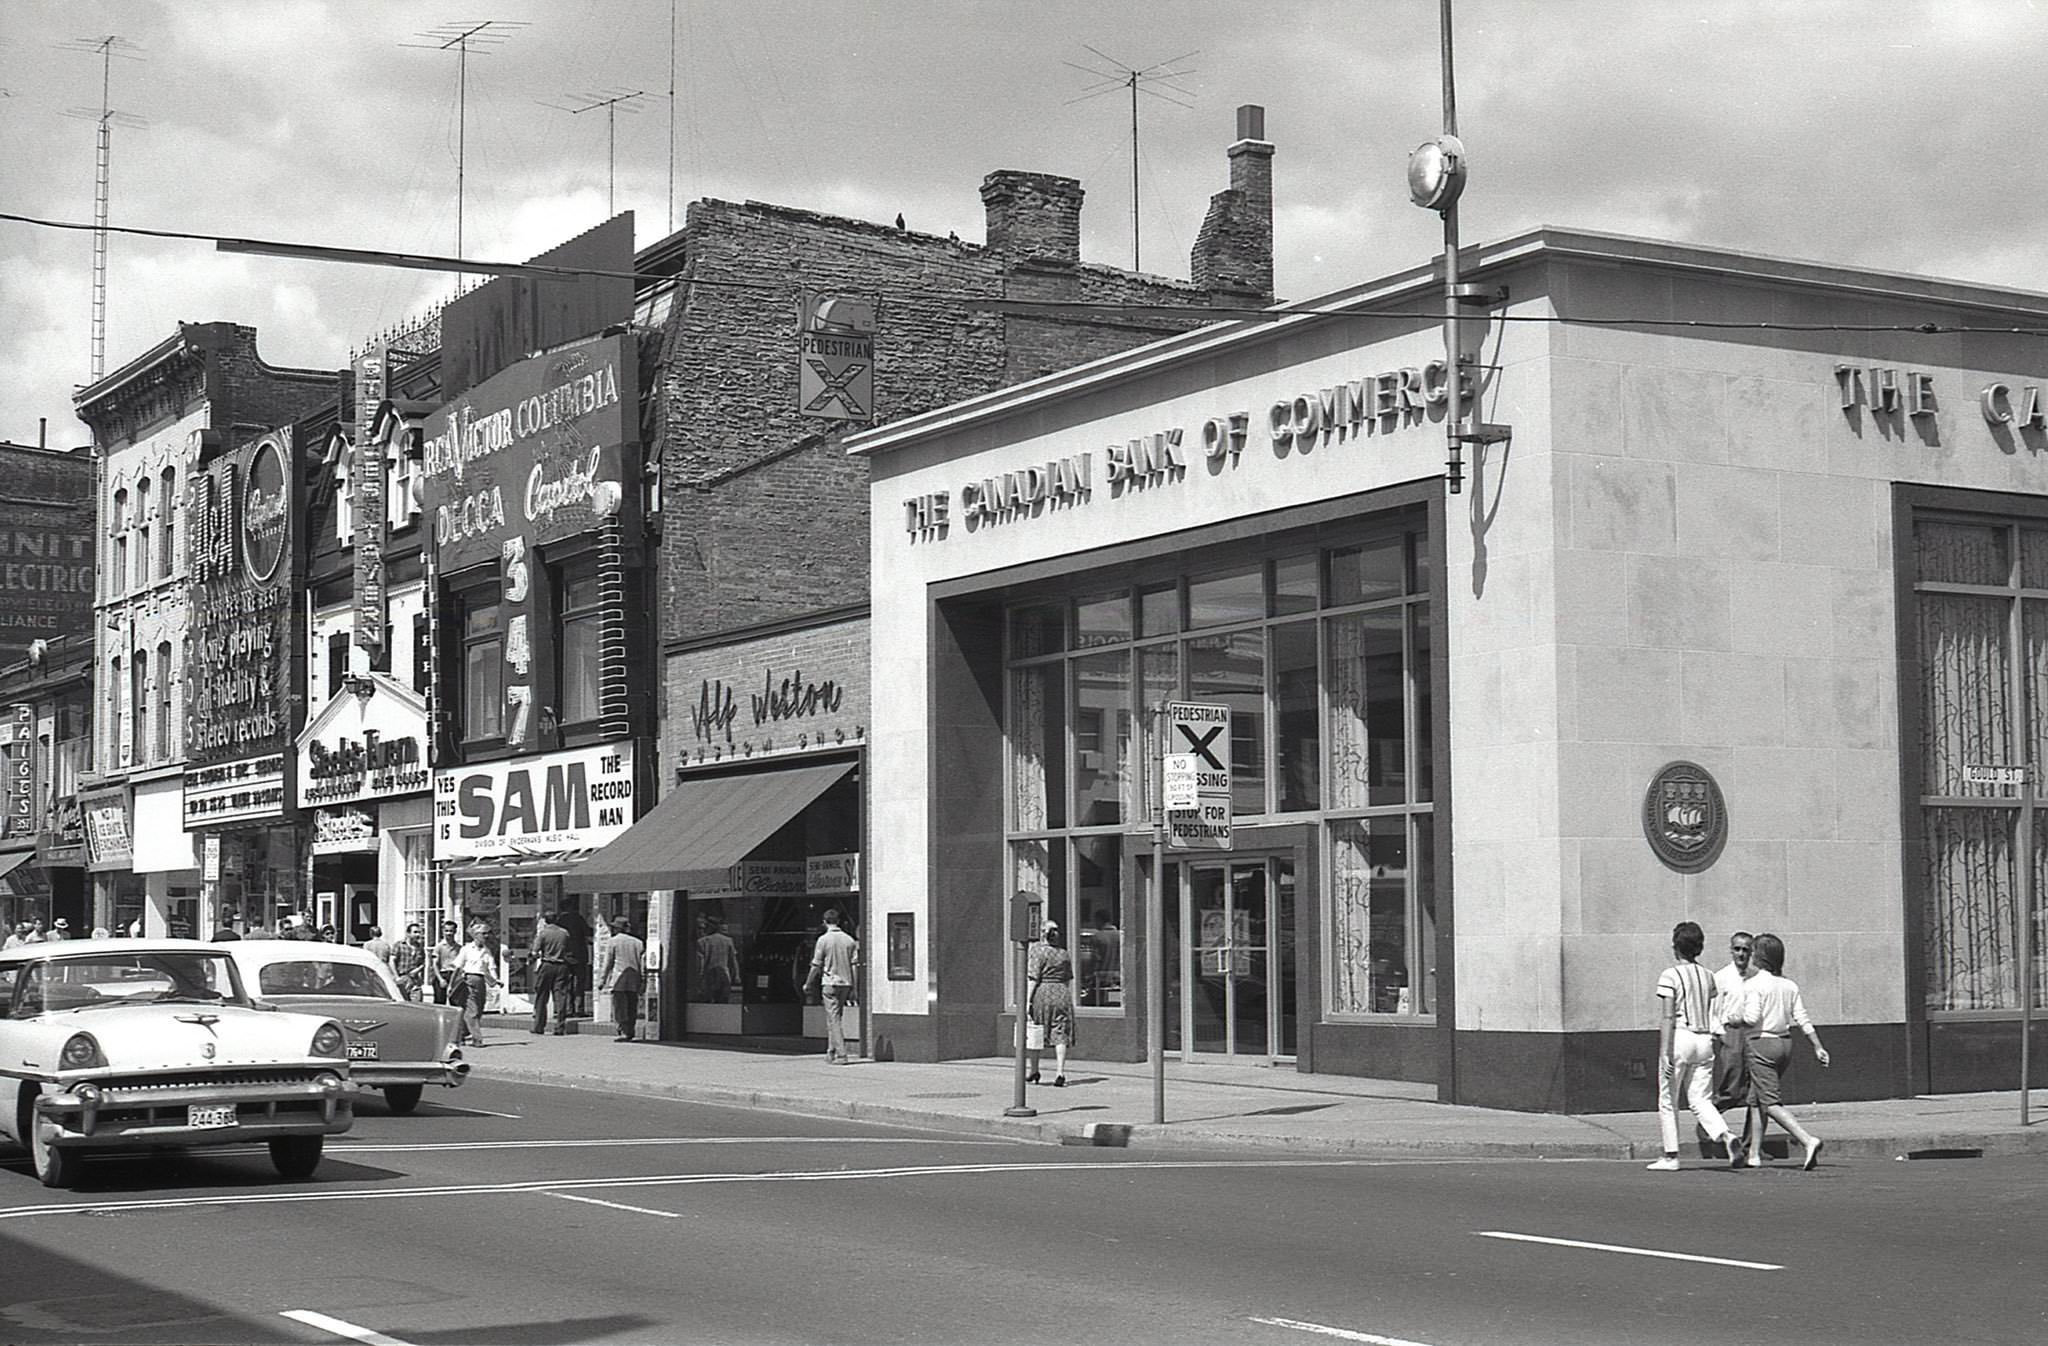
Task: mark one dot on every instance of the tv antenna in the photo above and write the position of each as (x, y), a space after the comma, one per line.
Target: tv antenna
(462, 38)
(107, 49)
(613, 102)
(1148, 80)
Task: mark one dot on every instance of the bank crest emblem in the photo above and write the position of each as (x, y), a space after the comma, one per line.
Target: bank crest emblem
(1685, 819)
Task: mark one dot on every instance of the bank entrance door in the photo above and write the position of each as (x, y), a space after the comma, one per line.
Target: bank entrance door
(1230, 979)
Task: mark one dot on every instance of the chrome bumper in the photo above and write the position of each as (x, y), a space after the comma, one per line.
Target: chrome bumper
(93, 1116)
(377, 1074)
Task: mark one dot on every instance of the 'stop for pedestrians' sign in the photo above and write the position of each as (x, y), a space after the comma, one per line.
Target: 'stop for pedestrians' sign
(1199, 737)
(835, 357)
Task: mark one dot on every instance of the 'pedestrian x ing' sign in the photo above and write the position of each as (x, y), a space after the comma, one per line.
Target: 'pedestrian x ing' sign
(836, 357)
(1199, 736)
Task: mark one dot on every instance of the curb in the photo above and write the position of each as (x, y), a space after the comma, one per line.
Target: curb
(1182, 1139)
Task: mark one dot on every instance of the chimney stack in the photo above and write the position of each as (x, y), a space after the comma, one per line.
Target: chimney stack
(1233, 253)
(1033, 217)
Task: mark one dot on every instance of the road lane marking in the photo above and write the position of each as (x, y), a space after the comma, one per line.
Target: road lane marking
(1341, 1333)
(475, 1112)
(1632, 1252)
(271, 1198)
(617, 1205)
(340, 1328)
(373, 1147)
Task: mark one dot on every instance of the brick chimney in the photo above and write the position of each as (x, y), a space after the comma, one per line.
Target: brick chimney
(1233, 253)
(1033, 217)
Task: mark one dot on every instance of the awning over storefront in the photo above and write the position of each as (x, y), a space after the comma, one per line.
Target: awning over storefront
(22, 884)
(549, 866)
(702, 830)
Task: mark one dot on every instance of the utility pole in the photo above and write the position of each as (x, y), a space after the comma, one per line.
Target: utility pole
(462, 37)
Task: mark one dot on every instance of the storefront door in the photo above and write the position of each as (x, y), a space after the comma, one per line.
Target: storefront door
(1230, 990)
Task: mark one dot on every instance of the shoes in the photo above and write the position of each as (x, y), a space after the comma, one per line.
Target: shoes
(561, 1032)
(1736, 1149)
(1668, 1164)
(536, 1031)
(1813, 1155)
(622, 1038)
(1059, 1081)
(1032, 1078)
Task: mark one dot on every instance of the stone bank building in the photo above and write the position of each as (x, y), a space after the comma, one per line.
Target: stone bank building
(1717, 633)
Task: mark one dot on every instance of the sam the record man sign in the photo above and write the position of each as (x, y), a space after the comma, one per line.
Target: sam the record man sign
(538, 454)
(547, 804)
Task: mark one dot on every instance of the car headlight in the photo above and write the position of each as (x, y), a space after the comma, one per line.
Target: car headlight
(328, 1041)
(80, 1052)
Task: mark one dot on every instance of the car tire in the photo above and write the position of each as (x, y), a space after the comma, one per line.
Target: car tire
(296, 1156)
(55, 1166)
(402, 1098)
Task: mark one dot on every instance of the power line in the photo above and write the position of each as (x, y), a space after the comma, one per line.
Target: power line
(548, 271)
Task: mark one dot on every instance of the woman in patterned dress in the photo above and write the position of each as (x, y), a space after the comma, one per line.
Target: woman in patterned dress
(1050, 970)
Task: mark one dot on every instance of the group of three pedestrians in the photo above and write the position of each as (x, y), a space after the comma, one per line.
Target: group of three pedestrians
(1729, 1033)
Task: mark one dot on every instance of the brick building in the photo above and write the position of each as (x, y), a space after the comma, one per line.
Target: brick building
(762, 589)
(155, 422)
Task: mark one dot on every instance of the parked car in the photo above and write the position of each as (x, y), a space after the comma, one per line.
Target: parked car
(393, 1044)
(148, 1043)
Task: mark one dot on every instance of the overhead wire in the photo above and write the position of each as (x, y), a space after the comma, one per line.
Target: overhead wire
(1269, 313)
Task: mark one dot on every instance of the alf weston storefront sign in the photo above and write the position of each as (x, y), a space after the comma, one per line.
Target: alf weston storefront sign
(560, 801)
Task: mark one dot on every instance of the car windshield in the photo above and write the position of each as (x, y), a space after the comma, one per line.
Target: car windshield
(311, 976)
(87, 981)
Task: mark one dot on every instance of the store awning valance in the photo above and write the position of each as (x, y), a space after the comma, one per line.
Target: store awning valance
(702, 830)
(551, 865)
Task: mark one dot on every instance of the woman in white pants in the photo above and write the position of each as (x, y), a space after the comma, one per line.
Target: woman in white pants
(1685, 1044)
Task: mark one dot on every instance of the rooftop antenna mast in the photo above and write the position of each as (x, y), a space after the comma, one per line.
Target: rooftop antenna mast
(613, 103)
(106, 48)
(482, 36)
(1121, 76)
(673, 29)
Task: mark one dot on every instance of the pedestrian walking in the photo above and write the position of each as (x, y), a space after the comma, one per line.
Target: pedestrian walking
(477, 969)
(409, 961)
(718, 963)
(1731, 1050)
(1685, 1044)
(17, 937)
(833, 966)
(550, 958)
(1766, 1012)
(1050, 970)
(442, 965)
(621, 970)
(377, 946)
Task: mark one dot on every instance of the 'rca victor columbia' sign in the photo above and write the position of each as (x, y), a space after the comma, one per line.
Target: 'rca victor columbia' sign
(536, 453)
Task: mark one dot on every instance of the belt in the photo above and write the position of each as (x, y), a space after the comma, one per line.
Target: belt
(558, 962)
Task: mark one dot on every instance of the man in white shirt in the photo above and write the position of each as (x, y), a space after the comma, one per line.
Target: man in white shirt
(1731, 1064)
(833, 968)
(1685, 1043)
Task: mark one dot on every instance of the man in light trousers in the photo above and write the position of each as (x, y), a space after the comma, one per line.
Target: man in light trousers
(833, 968)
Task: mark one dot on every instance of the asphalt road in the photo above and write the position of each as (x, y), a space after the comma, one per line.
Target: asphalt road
(506, 1213)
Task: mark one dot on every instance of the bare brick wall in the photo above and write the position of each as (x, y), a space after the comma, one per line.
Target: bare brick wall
(764, 518)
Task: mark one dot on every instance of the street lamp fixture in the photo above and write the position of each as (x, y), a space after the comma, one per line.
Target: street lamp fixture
(1436, 173)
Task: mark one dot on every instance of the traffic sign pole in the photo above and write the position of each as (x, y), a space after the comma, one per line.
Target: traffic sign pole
(2026, 896)
(1155, 924)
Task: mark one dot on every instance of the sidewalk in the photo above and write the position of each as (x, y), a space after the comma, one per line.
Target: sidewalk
(1208, 1107)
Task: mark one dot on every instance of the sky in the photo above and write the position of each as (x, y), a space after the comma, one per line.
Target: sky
(1884, 134)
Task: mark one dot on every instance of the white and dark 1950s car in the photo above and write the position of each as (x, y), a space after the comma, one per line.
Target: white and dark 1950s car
(393, 1044)
(138, 1044)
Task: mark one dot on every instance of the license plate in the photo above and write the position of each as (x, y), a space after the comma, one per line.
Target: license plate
(197, 1116)
(362, 1051)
